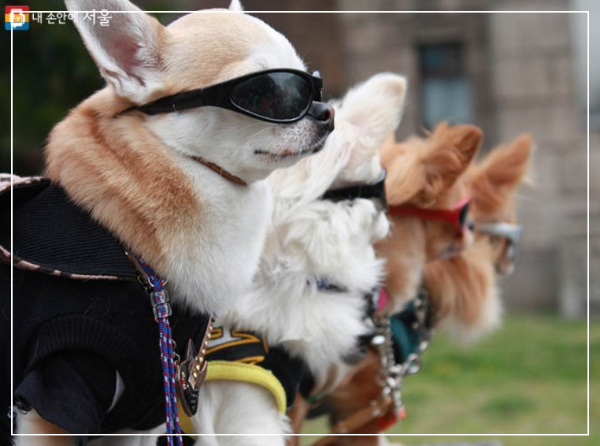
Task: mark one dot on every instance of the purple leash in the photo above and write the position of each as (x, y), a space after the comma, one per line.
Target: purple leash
(162, 311)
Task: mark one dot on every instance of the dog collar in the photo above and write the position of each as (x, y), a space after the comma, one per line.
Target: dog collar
(220, 171)
(368, 191)
(458, 217)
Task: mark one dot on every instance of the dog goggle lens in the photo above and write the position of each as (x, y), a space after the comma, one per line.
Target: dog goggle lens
(280, 96)
(276, 96)
(457, 217)
(368, 191)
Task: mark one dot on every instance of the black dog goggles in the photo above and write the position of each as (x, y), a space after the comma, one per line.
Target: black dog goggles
(277, 95)
(374, 191)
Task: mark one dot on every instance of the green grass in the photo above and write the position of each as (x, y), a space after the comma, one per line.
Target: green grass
(528, 378)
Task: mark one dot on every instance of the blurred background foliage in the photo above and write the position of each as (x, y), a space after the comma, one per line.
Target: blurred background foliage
(53, 72)
(528, 378)
(51, 75)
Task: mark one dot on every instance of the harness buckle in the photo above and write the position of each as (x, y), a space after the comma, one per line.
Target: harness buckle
(191, 373)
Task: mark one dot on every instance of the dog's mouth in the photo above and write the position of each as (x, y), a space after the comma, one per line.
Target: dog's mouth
(288, 153)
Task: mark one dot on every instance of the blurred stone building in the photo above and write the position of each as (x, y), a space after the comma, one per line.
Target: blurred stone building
(508, 73)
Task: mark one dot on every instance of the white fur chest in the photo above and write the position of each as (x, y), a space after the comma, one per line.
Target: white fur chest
(327, 241)
(213, 259)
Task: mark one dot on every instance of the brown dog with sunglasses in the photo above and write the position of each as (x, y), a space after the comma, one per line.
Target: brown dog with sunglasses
(462, 290)
(428, 200)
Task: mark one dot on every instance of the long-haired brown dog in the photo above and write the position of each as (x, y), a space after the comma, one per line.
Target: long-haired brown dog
(424, 174)
(462, 289)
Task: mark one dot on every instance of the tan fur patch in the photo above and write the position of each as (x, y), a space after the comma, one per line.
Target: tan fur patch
(117, 169)
(195, 42)
(404, 251)
(459, 286)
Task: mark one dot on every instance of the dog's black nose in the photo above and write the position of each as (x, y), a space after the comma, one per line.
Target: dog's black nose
(323, 113)
(471, 225)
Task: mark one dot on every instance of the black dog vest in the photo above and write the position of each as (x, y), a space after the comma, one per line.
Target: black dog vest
(81, 319)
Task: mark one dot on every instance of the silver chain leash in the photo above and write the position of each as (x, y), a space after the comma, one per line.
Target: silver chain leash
(391, 375)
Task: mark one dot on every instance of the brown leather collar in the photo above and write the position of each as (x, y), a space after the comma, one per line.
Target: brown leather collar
(220, 171)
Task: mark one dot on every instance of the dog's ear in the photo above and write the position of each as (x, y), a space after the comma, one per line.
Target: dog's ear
(369, 112)
(375, 106)
(500, 174)
(128, 51)
(236, 5)
(506, 167)
(451, 150)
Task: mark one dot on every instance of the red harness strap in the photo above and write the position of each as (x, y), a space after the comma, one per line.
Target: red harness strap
(456, 217)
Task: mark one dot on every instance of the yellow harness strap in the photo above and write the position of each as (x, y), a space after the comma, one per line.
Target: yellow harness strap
(237, 371)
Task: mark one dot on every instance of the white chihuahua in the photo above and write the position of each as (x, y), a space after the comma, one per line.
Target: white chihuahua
(315, 271)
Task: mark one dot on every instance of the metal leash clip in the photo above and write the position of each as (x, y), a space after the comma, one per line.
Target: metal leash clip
(191, 373)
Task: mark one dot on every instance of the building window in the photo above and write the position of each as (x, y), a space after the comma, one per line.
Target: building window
(445, 90)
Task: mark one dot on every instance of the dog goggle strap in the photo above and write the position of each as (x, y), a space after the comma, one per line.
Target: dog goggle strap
(279, 95)
(368, 191)
(457, 217)
(509, 231)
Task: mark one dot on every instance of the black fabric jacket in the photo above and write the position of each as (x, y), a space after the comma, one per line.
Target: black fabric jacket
(80, 316)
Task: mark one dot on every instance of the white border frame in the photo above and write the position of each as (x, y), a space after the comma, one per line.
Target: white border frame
(325, 12)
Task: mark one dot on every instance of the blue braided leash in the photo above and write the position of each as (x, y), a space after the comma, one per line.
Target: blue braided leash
(162, 311)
